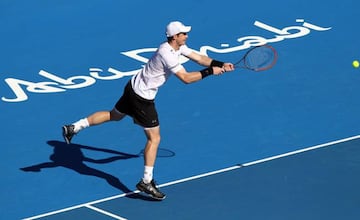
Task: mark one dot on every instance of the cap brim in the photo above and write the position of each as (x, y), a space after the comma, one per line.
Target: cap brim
(186, 29)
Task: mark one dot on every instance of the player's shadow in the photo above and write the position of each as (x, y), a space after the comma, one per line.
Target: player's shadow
(71, 156)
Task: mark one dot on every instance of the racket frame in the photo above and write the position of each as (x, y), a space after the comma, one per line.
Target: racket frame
(242, 64)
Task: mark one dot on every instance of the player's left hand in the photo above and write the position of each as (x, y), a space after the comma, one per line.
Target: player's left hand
(228, 67)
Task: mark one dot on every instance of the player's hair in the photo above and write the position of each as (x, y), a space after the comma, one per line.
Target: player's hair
(172, 37)
(169, 39)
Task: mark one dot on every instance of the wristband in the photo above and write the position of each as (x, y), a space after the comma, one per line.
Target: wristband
(206, 72)
(217, 63)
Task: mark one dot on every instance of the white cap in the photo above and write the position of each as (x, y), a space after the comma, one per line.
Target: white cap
(176, 27)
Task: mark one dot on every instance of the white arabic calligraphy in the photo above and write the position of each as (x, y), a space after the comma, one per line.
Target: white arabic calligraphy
(59, 84)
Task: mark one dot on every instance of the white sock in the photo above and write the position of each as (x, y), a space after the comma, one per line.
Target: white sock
(81, 124)
(148, 174)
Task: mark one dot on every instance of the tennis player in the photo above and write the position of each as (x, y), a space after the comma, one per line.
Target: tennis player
(139, 94)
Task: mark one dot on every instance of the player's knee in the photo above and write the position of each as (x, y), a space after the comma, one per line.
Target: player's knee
(155, 139)
(153, 134)
(115, 115)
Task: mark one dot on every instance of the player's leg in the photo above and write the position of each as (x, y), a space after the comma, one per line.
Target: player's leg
(152, 144)
(102, 117)
(116, 114)
(94, 119)
(147, 184)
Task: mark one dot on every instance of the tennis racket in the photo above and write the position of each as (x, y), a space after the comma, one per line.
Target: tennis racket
(258, 58)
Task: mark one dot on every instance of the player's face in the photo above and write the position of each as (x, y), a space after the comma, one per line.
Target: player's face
(181, 38)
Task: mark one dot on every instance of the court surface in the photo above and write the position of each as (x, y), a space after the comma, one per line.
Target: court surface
(282, 144)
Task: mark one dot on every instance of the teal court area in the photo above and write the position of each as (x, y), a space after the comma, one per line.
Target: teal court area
(280, 144)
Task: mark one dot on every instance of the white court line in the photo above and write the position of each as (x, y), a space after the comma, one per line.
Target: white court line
(105, 212)
(302, 150)
(89, 204)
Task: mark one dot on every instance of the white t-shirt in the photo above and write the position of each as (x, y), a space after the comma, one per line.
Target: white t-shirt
(164, 63)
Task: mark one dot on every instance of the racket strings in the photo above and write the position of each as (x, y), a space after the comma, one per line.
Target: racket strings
(260, 58)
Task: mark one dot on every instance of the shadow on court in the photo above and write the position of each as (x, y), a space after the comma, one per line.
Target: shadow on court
(71, 156)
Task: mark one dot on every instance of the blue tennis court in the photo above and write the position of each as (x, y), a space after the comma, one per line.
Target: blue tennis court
(280, 144)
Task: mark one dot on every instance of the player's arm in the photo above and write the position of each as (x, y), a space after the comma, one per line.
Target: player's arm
(214, 68)
(200, 59)
(207, 61)
(191, 77)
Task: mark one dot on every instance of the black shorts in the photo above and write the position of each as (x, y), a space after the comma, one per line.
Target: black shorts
(143, 111)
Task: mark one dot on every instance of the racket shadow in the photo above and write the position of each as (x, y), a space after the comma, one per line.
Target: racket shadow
(71, 156)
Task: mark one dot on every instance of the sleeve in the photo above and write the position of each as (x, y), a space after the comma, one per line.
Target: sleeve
(185, 50)
(172, 63)
(175, 68)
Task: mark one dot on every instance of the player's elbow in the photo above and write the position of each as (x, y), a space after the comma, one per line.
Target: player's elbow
(185, 78)
(186, 81)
